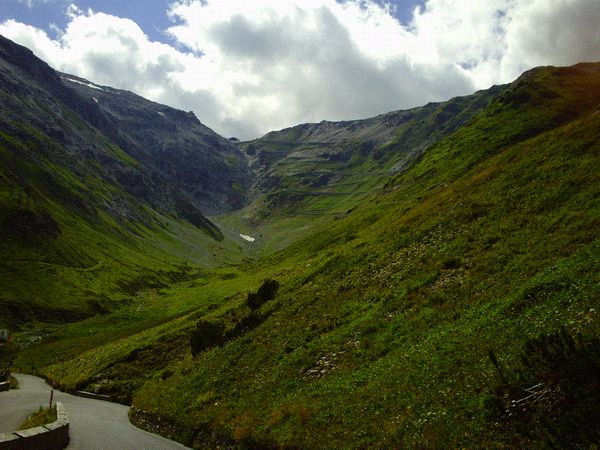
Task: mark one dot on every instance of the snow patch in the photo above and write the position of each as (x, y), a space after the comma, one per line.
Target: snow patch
(248, 238)
(160, 113)
(91, 85)
(95, 99)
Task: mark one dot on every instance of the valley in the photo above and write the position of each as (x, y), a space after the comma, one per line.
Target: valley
(425, 268)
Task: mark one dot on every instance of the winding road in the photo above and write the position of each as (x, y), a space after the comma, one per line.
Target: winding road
(94, 424)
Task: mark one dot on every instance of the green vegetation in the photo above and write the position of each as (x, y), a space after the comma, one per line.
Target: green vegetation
(311, 174)
(554, 393)
(266, 292)
(65, 259)
(409, 316)
(41, 416)
(206, 335)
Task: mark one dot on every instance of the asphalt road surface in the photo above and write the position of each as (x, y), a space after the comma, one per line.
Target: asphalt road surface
(94, 424)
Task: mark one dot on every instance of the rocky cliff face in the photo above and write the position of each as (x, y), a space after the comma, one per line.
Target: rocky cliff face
(173, 144)
(337, 158)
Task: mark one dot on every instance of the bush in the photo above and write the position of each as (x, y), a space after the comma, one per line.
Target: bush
(266, 292)
(13, 382)
(555, 394)
(206, 335)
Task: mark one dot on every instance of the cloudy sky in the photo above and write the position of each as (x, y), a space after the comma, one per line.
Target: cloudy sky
(249, 66)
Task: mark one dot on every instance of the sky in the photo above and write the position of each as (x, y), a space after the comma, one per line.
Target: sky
(246, 67)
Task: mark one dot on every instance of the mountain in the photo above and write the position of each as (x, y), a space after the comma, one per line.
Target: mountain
(86, 170)
(173, 144)
(313, 173)
(423, 279)
(322, 157)
(455, 305)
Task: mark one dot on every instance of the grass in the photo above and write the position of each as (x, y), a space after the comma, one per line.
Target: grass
(75, 243)
(91, 267)
(42, 416)
(381, 329)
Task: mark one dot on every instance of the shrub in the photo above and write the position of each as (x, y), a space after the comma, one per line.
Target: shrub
(451, 262)
(206, 335)
(555, 394)
(266, 292)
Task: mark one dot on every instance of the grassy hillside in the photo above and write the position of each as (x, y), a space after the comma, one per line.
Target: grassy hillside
(413, 320)
(64, 258)
(85, 225)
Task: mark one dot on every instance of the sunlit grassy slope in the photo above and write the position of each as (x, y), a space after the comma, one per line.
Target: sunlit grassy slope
(65, 256)
(383, 327)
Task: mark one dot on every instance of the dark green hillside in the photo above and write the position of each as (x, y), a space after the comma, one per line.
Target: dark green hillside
(469, 280)
(83, 223)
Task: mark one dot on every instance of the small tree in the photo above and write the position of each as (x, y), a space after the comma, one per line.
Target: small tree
(266, 292)
(206, 335)
(555, 391)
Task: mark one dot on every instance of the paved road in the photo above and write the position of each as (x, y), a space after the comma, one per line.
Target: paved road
(95, 424)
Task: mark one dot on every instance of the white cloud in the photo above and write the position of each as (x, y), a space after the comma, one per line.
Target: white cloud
(282, 63)
(496, 40)
(249, 67)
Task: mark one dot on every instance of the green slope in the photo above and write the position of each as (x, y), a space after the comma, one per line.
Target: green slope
(64, 258)
(85, 225)
(400, 324)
